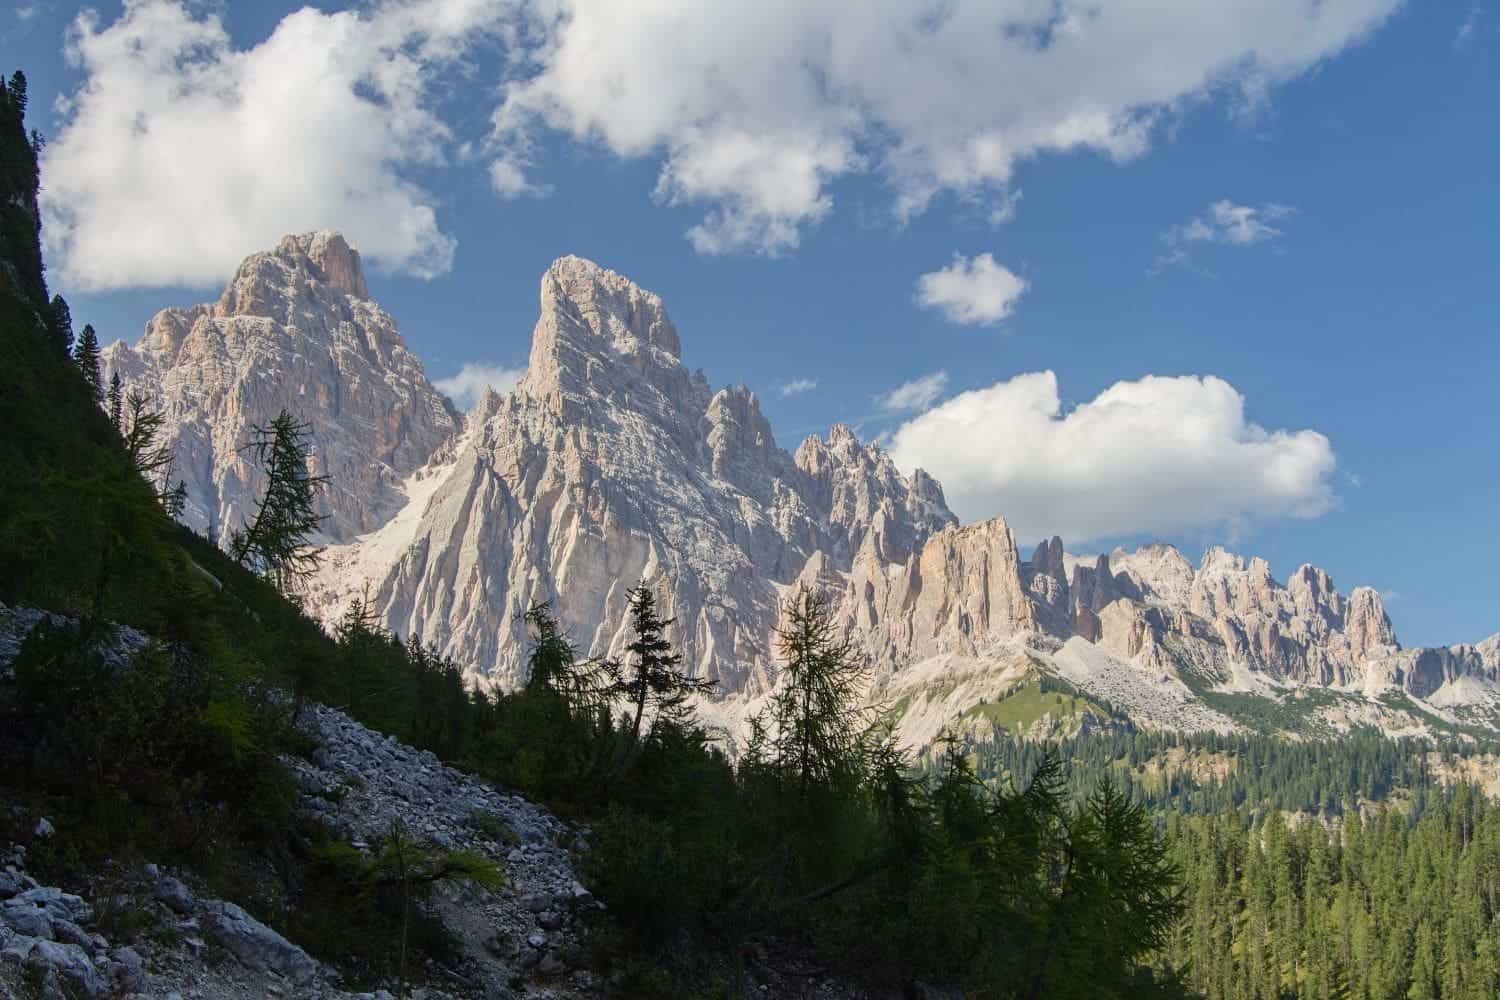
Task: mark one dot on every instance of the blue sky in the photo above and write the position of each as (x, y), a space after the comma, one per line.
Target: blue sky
(1346, 286)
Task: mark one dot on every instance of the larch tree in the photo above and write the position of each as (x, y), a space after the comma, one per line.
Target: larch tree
(149, 457)
(819, 729)
(277, 543)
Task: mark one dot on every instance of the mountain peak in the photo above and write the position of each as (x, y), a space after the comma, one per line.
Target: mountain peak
(319, 265)
(294, 329)
(337, 262)
(599, 334)
(607, 304)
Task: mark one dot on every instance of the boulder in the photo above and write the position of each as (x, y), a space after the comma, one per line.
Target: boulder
(176, 896)
(257, 946)
(71, 963)
(26, 919)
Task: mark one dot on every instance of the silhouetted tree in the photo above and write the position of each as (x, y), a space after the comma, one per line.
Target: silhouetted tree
(651, 676)
(278, 542)
(86, 355)
(60, 325)
(116, 400)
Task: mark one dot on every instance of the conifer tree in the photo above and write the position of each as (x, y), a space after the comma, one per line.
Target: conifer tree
(20, 235)
(553, 668)
(60, 325)
(150, 459)
(651, 677)
(18, 91)
(86, 355)
(278, 542)
(116, 400)
(819, 729)
(176, 500)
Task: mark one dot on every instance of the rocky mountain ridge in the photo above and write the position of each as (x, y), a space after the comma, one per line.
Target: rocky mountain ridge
(294, 328)
(612, 463)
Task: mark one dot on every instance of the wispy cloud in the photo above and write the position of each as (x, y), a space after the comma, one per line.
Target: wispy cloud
(761, 119)
(758, 123)
(1224, 223)
(917, 394)
(1466, 30)
(508, 178)
(1004, 210)
(467, 387)
(348, 96)
(797, 386)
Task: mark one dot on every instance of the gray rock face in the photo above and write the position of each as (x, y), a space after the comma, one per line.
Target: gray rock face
(256, 945)
(175, 896)
(295, 328)
(359, 784)
(71, 964)
(612, 464)
(26, 918)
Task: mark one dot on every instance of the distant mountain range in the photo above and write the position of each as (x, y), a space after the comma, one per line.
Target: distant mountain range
(612, 463)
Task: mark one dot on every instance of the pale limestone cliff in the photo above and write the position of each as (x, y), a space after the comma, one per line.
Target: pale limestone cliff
(294, 328)
(611, 464)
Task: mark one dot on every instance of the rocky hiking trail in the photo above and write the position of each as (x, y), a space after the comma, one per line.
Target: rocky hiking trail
(525, 938)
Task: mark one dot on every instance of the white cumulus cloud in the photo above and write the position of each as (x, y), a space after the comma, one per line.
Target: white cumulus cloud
(756, 110)
(184, 149)
(971, 291)
(467, 387)
(508, 178)
(1153, 456)
(797, 386)
(180, 153)
(918, 394)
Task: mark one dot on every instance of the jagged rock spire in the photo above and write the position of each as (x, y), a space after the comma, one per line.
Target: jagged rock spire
(294, 328)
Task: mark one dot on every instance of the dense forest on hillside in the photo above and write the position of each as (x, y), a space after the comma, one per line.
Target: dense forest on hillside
(1388, 905)
(1209, 773)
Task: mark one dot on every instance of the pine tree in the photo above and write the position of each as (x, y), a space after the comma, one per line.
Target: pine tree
(116, 400)
(86, 355)
(20, 233)
(278, 542)
(60, 325)
(652, 676)
(176, 501)
(18, 91)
